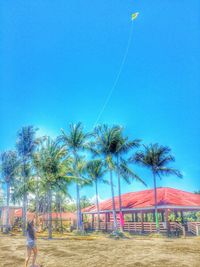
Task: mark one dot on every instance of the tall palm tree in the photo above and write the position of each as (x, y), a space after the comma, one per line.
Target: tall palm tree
(157, 158)
(26, 144)
(9, 166)
(123, 147)
(106, 142)
(79, 177)
(76, 140)
(61, 193)
(96, 171)
(51, 161)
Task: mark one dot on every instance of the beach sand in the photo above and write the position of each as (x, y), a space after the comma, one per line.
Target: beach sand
(103, 251)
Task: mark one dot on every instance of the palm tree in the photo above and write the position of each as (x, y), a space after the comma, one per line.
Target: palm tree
(123, 147)
(76, 140)
(106, 142)
(9, 166)
(61, 193)
(156, 157)
(78, 176)
(51, 161)
(26, 144)
(96, 171)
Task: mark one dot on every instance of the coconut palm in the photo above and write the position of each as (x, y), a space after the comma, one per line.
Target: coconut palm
(51, 161)
(9, 166)
(76, 140)
(123, 147)
(26, 145)
(107, 139)
(96, 171)
(78, 176)
(61, 193)
(157, 158)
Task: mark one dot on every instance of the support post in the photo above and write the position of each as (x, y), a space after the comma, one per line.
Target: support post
(167, 221)
(162, 214)
(154, 216)
(176, 214)
(182, 216)
(92, 221)
(136, 217)
(142, 220)
(106, 220)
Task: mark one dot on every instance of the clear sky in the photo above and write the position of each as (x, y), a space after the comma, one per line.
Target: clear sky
(60, 58)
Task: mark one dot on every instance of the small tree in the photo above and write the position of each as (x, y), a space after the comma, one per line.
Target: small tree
(51, 162)
(96, 171)
(9, 166)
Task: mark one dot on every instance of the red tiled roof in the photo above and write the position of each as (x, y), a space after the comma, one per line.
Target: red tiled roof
(145, 199)
(30, 215)
(18, 213)
(65, 216)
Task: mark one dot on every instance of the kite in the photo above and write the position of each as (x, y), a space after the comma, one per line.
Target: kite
(134, 15)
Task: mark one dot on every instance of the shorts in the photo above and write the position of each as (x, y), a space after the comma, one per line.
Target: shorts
(31, 244)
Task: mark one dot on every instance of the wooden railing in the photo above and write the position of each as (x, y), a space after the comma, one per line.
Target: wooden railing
(148, 227)
(133, 226)
(194, 228)
(141, 227)
(175, 227)
(103, 226)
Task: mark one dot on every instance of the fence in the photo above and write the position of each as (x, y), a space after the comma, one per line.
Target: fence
(140, 227)
(194, 228)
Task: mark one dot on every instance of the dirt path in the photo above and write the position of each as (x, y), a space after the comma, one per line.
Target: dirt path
(105, 252)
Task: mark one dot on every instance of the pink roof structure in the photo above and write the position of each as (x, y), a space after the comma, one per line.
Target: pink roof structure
(144, 200)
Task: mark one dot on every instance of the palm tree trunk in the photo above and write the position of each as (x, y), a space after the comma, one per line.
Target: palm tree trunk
(61, 222)
(79, 224)
(24, 200)
(24, 213)
(79, 217)
(7, 208)
(155, 203)
(56, 207)
(37, 201)
(97, 204)
(50, 214)
(113, 202)
(119, 192)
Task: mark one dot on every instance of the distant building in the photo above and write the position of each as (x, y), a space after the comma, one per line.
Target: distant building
(12, 210)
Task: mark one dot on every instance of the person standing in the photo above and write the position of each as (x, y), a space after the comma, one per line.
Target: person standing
(31, 243)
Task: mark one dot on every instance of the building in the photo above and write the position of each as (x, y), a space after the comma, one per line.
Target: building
(12, 211)
(138, 211)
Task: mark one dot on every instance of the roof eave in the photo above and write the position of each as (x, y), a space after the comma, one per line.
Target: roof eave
(185, 208)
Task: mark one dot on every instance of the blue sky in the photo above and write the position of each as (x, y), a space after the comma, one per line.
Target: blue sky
(60, 58)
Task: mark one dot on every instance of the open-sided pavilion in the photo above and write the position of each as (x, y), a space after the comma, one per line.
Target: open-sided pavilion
(138, 210)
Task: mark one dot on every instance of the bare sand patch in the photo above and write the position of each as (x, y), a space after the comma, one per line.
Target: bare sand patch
(103, 251)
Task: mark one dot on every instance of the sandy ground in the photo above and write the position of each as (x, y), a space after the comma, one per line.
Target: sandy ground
(103, 251)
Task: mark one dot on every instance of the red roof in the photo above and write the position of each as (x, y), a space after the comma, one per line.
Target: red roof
(65, 216)
(30, 215)
(145, 199)
(18, 213)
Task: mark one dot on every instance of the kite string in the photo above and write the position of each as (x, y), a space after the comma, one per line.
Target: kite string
(117, 77)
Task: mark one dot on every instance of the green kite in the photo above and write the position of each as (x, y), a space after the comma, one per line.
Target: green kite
(134, 15)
